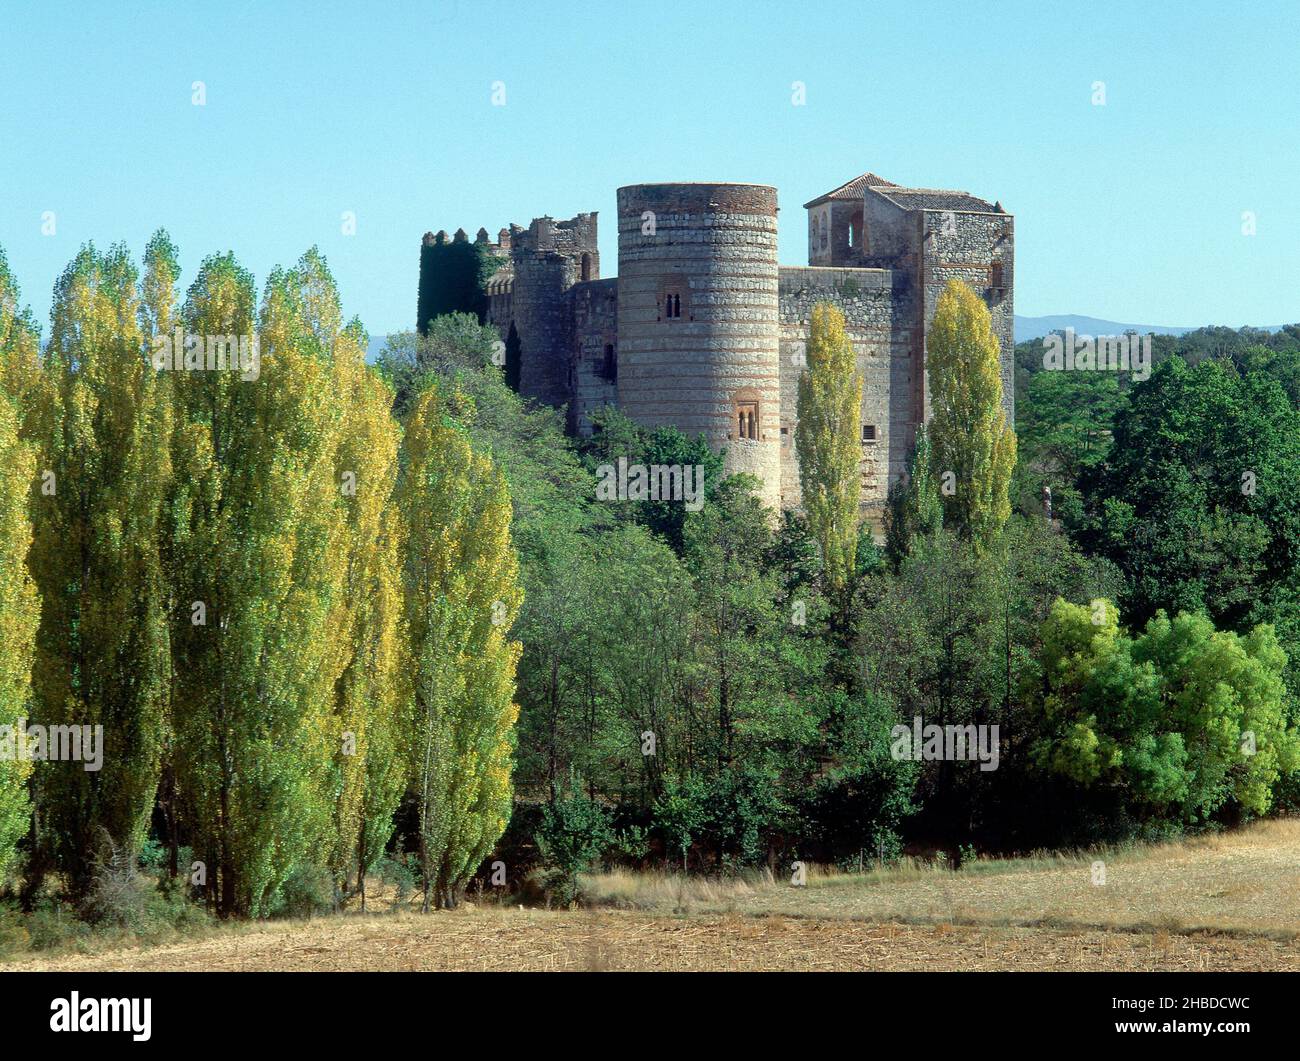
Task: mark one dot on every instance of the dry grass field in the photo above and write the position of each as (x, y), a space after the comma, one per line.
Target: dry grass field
(1223, 903)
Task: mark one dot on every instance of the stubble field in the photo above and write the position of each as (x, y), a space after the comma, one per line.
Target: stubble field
(1224, 903)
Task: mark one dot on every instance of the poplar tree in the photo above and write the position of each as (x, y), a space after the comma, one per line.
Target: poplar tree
(369, 758)
(101, 649)
(24, 409)
(158, 316)
(259, 532)
(19, 616)
(830, 419)
(974, 449)
(462, 594)
(21, 374)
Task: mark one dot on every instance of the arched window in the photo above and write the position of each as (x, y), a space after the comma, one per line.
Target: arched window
(856, 241)
(586, 267)
(674, 297)
(747, 420)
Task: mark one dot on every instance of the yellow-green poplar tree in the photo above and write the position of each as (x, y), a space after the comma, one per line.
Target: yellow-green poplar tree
(462, 594)
(830, 419)
(158, 316)
(259, 534)
(22, 389)
(101, 649)
(21, 374)
(370, 758)
(19, 609)
(973, 449)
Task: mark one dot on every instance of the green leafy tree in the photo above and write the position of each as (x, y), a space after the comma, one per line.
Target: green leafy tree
(574, 832)
(679, 815)
(913, 507)
(1183, 718)
(1199, 499)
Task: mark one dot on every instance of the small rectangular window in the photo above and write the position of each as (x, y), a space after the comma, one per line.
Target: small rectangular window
(868, 432)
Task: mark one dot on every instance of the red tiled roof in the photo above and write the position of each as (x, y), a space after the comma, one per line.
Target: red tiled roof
(853, 189)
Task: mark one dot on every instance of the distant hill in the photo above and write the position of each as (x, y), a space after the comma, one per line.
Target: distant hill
(1036, 327)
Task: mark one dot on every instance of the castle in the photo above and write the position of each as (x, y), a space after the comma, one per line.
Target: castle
(701, 329)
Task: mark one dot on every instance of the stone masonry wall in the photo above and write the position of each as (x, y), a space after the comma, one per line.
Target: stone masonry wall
(876, 306)
(713, 252)
(963, 246)
(740, 331)
(548, 259)
(595, 326)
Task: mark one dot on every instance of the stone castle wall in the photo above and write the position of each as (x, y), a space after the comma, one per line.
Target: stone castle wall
(701, 327)
(879, 317)
(697, 318)
(595, 325)
(958, 245)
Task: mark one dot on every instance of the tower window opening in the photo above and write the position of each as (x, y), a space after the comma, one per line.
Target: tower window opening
(747, 421)
(609, 366)
(995, 278)
(586, 267)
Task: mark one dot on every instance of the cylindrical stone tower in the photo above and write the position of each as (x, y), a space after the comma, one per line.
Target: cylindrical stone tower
(698, 338)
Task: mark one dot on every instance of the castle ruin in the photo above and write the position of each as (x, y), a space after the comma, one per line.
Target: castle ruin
(704, 331)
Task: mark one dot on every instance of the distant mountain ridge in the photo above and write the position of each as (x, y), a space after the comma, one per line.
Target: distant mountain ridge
(1036, 327)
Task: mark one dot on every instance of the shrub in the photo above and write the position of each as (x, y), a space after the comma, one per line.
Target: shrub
(401, 872)
(574, 833)
(308, 891)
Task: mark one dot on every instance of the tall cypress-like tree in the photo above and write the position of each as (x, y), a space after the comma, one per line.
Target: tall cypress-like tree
(462, 594)
(974, 449)
(830, 419)
(102, 645)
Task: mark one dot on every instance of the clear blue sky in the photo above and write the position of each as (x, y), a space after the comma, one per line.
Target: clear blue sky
(1131, 211)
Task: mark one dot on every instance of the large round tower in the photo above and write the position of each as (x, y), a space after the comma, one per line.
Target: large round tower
(698, 319)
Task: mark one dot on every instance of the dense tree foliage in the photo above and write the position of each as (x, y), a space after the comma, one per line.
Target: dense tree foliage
(334, 616)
